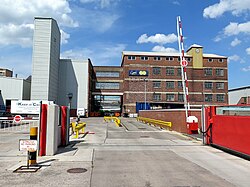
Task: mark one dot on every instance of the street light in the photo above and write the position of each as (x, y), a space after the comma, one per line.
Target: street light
(70, 96)
(145, 90)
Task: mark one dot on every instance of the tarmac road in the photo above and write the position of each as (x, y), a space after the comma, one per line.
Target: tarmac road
(135, 155)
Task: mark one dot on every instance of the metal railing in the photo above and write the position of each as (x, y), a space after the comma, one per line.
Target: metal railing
(113, 119)
(155, 122)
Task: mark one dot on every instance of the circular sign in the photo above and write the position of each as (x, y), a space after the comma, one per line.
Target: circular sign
(184, 63)
(17, 118)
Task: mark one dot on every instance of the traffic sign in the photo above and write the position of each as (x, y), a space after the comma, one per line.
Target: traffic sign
(184, 63)
(27, 145)
(17, 119)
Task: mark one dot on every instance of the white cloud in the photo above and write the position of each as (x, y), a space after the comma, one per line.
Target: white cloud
(236, 7)
(64, 37)
(233, 58)
(235, 42)
(157, 38)
(163, 49)
(236, 28)
(101, 3)
(16, 19)
(176, 3)
(246, 69)
(100, 54)
(248, 50)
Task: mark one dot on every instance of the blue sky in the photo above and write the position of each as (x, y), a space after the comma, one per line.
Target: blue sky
(102, 29)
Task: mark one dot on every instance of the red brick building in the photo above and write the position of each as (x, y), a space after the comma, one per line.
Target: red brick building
(155, 78)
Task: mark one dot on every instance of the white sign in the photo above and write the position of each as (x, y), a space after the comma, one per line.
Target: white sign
(25, 107)
(28, 145)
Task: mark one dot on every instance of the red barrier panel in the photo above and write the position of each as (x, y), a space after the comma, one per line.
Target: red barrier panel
(63, 125)
(232, 132)
(43, 130)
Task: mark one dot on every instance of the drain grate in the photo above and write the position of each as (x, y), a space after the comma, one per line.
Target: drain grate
(77, 170)
(144, 136)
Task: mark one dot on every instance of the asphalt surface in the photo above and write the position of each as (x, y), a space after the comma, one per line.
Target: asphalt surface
(135, 155)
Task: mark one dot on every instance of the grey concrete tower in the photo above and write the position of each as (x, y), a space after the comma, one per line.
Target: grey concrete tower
(45, 60)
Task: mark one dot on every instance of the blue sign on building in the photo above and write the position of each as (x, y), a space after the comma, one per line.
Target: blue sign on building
(138, 73)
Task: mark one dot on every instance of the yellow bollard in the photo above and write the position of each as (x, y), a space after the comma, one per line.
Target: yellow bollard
(33, 154)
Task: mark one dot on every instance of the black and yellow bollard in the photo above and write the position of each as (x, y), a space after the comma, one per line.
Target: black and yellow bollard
(32, 154)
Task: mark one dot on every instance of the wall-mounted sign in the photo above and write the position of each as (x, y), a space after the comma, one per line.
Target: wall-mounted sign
(138, 73)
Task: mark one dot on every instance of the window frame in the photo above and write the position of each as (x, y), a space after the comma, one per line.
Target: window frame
(156, 70)
(207, 98)
(210, 87)
(131, 57)
(170, 85)
(155, 83)
(156, 97)
(168, 96)
(170, 70)
(206, 71)
(144, 58)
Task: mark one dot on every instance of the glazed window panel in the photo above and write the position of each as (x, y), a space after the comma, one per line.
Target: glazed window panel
(208, 85)
(157, 58)
(131, 57)
(208, 72)
(170, 97)
(144, 57)
(220, 97)
(156, 96)
(156, 84)
(219, 72)
(220, 85)
(156, 70)
(107, 85)
(107, 74)
(208, 97)
(170, 71)
(170, 84)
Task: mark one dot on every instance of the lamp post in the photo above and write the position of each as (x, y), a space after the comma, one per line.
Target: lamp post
(70, 96)
(145, 91)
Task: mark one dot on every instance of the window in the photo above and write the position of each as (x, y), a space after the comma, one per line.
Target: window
(179, 72)
(170, 71)
(180, 97)
(170, 84)
(144, 57)
(208, 72)
(220, 97)
(179, 59)
(220, 85)
(157, 58)
(107, 85)
(156, 96)
(170, 97)
(221, 60)
(169, 58)
(189, 59)
(208, 85)
(210, 60)
(131, 58)
(219, 72)
(156, 70)
(208, 97)
(107, 74)
(156, 84)
(180, 84)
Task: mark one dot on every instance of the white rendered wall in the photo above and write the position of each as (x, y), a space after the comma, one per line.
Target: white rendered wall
(14, 89)
(73, 78)
(45, 60)
(235, 96)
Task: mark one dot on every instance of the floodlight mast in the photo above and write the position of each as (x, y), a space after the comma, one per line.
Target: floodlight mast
(183, 64)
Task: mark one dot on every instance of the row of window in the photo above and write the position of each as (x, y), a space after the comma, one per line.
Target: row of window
(171, 58)
(171, 97)
(158, 58)
(171, 85)
(157, 84)
(171, 71)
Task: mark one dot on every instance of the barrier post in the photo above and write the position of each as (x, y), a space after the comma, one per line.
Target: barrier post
(43, 130)
(32, 155)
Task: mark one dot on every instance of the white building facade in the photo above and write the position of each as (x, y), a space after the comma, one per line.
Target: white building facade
(239, 95)
(13, 89)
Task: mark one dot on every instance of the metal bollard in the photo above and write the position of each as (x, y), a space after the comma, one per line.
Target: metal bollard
(33, 154)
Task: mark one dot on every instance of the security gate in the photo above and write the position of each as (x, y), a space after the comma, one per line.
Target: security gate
(228, 127)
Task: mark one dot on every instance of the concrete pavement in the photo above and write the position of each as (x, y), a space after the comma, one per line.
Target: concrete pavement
(133, 155)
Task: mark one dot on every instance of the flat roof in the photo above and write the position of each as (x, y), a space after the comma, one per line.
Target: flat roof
(240, 88)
